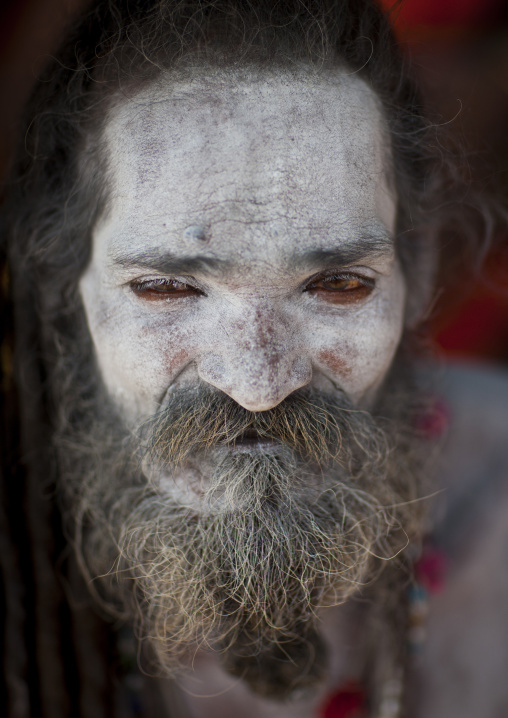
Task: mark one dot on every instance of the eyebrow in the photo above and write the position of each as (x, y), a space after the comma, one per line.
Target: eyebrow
(167, 263)
(366, 247)
(363, 248)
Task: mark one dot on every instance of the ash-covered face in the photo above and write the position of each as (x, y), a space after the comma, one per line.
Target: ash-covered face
(248, 243)
(245, 303)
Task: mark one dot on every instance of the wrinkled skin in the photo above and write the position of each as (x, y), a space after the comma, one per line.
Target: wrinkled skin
(248, 243)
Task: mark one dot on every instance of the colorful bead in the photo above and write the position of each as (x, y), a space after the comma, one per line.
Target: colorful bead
(349, 702)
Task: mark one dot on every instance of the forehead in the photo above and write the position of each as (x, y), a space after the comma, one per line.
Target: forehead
(293, 157)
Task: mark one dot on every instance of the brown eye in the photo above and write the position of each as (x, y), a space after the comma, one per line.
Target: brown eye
(159, 290)
(341, 288)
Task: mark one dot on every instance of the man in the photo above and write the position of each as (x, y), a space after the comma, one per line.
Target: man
(221, 242)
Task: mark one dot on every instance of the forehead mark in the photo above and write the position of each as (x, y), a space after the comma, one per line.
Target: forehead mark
(195, 232)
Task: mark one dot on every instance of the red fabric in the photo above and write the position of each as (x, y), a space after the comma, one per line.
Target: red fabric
(444, 12)
(349, 702)
(479, 329)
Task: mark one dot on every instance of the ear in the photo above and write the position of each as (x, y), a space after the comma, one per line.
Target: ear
(418, 253)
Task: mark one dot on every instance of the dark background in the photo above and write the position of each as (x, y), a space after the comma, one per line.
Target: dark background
(460, 51)
(460, 48)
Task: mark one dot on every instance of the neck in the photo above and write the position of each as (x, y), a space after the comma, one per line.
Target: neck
(362, 650)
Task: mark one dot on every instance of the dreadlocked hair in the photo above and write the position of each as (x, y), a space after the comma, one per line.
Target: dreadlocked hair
(56, 649)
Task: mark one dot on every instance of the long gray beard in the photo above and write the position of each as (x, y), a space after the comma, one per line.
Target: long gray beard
(305, 525)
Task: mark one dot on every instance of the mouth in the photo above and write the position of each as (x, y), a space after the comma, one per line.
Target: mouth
(251, 440)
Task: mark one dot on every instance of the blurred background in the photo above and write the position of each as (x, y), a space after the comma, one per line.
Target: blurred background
(460, 52)
(459, 49)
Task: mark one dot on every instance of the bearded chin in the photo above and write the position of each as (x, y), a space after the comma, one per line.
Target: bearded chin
(277, 537)
(247, 575)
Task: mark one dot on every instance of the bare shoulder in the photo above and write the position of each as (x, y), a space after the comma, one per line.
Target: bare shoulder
(463, 668)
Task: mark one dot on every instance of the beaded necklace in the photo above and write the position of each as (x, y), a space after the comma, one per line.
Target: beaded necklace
(351, 700)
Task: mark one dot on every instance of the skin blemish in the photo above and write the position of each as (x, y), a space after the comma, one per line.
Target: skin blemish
(335, 361)
(176, 360)
(195, 233)
(265, 329)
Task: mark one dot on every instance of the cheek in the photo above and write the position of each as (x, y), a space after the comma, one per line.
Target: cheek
(356, 354)
(137, 359)
(175, 359)
(359, 364)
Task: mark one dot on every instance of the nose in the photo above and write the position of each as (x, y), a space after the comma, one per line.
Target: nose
(258, 361)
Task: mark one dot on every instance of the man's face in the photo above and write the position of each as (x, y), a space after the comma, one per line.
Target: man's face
(248, 243)
(245, 302)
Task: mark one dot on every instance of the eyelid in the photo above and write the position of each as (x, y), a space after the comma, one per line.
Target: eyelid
(343, 273)
(164, 279)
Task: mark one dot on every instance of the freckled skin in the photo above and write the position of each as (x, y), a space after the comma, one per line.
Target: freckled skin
(337, 360)
(249, 171)
(176, 359)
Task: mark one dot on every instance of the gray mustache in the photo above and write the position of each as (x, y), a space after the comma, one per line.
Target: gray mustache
(318, 428)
